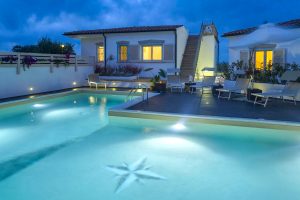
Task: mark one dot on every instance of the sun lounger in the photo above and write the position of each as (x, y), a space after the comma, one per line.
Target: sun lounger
(173, 82)
(207, 82)
(93, 79)
(239, 87)
(291, 90)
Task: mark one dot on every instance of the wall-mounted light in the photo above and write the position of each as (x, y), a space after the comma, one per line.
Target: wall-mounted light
(62, 48)
(74, 83)
(30, 89)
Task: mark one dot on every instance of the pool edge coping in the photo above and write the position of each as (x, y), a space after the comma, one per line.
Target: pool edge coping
(34, 98)
(120, 111)
(218, 120)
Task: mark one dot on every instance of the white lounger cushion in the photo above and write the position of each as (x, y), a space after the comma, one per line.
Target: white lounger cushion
(291, 89)
(240, 86)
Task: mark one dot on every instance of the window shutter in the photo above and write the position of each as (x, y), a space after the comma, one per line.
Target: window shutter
(169, 52)
(244, 56)
(279, 56)
(133, 52)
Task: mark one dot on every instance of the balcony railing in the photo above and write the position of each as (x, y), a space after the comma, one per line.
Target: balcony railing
(24, 61)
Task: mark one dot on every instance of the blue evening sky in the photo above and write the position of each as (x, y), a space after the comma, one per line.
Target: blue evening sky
(25, 21)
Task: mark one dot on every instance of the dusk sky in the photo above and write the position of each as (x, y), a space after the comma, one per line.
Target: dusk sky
(24, 22)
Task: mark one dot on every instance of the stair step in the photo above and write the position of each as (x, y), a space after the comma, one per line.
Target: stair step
(187, 65)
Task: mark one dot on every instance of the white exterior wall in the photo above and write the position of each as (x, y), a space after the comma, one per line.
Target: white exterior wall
(133, 38)
(89, 45)
(208, 53)
(292, 48)
(234, 53)
(40, 79)
(182, 36)
(292, 51)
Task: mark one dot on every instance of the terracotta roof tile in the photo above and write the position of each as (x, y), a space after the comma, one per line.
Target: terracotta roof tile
(124, 30)
(288, 24)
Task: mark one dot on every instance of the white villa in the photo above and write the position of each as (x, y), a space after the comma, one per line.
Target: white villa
(268, 43)
(158, 47)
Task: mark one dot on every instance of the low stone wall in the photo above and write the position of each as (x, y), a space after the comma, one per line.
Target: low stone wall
(39, 79)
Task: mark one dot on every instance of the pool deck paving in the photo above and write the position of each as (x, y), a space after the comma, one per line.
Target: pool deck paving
(208, 104)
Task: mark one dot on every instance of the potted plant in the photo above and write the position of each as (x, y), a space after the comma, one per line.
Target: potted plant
(159, 85)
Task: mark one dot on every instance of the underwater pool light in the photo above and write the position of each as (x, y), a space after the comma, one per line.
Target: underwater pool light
(179, 126)
(92, 100)
(30, 89)
(74, 83)
(38, 105)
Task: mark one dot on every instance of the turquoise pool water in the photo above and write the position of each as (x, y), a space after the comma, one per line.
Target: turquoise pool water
(71, 150)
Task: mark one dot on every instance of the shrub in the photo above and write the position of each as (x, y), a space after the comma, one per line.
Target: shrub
(226, 69)
(121, 70)
(271, 73)
(46, 45)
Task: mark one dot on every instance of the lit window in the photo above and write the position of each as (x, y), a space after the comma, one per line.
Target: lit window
(147, 53)
(157, 53)
(100, 53)
(269, 58)
(259, 60)
(152, 53)
(263, 59)
(123, 53)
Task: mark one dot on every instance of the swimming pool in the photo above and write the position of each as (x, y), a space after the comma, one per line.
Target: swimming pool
(69, 149)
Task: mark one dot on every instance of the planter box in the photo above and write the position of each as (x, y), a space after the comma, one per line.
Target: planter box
(118, 78)
(159, 87)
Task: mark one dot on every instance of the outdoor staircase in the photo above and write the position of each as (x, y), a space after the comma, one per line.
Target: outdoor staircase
(190, 56)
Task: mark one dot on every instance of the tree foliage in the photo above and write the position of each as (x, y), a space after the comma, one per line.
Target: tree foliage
(46, 45)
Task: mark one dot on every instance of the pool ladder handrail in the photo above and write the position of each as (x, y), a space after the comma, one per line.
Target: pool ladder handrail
(140, 86)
